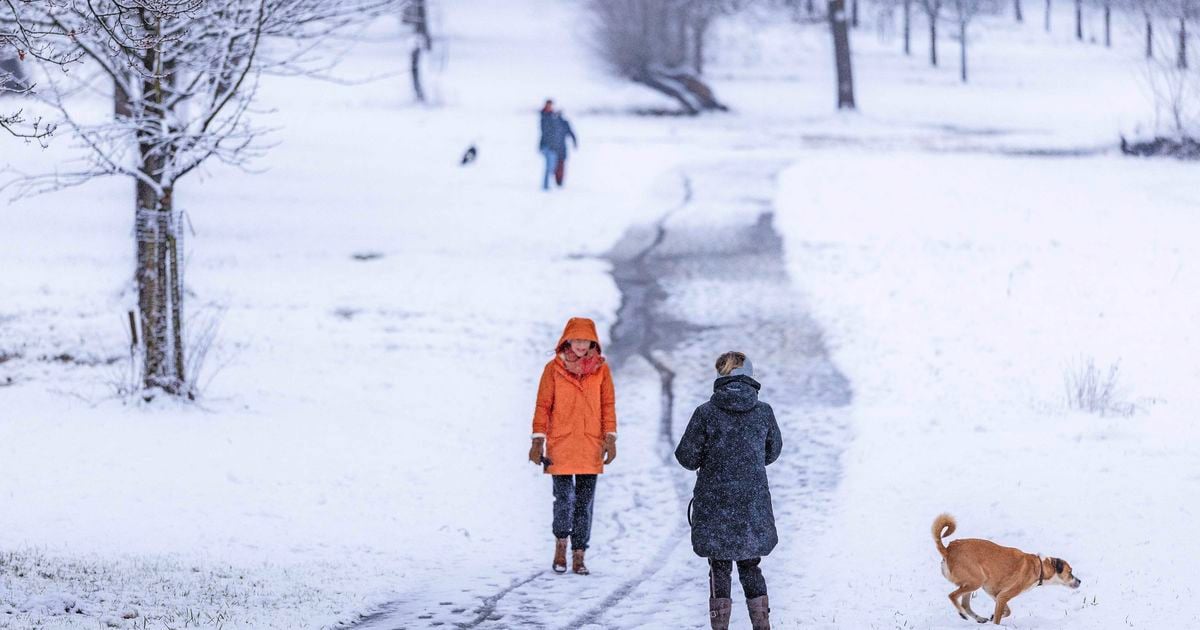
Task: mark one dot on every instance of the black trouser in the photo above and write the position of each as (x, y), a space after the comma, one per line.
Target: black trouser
(751, 577)
(573, 497)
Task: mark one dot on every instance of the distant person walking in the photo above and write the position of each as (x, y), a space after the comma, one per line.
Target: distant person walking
(574, 435)
(729, 441)
(553, 144)
(548, 155)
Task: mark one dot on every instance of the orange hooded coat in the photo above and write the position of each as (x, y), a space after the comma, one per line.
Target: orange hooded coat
(575, 413)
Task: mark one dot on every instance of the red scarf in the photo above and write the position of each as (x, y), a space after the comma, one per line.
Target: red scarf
(581, 366)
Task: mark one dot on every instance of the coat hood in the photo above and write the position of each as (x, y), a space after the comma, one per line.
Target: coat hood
(579, 328)
(735, 393)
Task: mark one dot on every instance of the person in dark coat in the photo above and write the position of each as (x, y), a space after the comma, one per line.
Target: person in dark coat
(729, 441)
(553, 144)
(549, 123)
(562, 131)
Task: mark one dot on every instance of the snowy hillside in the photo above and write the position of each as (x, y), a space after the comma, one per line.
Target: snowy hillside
(916, 283)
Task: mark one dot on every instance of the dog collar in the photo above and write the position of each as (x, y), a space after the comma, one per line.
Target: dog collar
(1040, 571)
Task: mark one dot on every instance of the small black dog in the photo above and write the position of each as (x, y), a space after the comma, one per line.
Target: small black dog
(469, 156)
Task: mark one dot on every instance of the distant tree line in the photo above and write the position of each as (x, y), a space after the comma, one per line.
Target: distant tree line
(662, 44)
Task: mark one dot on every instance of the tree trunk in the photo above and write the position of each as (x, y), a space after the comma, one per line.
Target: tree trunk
(174, 279)
(1079, 20)
(160, 294)
(962, 44)
(419, 18)
(908, 27)
(415, 69)
(933, 40)
(160, 290)
(681, 56)
(854, 13)
(1182, 62)
(699, 32)
(121, 107)
(1107, 25)
(692, 93)
(152, 314)
(841, 54)
(811, 7)
(1017, 12)
(1149, 36)
(1047, 16)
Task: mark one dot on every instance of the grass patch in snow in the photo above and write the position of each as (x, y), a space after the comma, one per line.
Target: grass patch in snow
(1095, 389)
(43, 590)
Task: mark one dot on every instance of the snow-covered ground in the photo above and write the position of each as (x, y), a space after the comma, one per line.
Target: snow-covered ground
(959, 319)
(360, 447)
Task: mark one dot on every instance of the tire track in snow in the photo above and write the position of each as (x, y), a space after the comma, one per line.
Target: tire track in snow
(706, 283)
(488, 609)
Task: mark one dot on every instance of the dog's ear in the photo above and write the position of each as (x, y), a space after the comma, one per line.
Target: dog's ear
(1058, 565)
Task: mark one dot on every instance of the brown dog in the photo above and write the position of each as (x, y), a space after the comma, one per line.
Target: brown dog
(1002, 572)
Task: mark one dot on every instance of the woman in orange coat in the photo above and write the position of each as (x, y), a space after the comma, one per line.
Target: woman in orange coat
(574, 435)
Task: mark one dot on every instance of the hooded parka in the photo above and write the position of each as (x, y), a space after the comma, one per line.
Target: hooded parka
(730, 440)
(575, 412)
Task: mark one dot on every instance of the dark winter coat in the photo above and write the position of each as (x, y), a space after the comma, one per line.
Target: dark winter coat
(730, 440)
(555, 131)
(548, 123)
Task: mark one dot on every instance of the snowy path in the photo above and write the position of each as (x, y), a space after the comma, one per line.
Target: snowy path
(708, 276)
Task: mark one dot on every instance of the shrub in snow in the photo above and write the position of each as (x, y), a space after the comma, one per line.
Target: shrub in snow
(1096, 390)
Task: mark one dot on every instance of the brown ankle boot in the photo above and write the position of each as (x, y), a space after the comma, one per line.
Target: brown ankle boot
(760, 613)
(560, 555)
(577, 564)
(719, 610)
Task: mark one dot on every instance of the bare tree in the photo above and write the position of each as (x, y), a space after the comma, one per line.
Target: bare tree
(933, 12)
(1149, 34)
(907, 7)
(1149, 10)
(1079, 20)
(1047, 20)
(1107, 6)
(965, 11)
(1185, 11)
(660, 44)
(1175, 86)
(416, 14)
(1018, 14)
(183, 75)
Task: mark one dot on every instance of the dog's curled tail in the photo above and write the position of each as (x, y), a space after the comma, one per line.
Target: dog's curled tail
(943, 526)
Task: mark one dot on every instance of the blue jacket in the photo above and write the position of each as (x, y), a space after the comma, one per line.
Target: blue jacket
(555, 131)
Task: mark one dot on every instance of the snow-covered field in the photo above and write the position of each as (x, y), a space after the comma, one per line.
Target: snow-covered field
(959, 319)
(360, 446)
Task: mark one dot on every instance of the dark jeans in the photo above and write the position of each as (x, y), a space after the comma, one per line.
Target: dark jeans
(573, 497)
(560, 170)
(751, 577)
